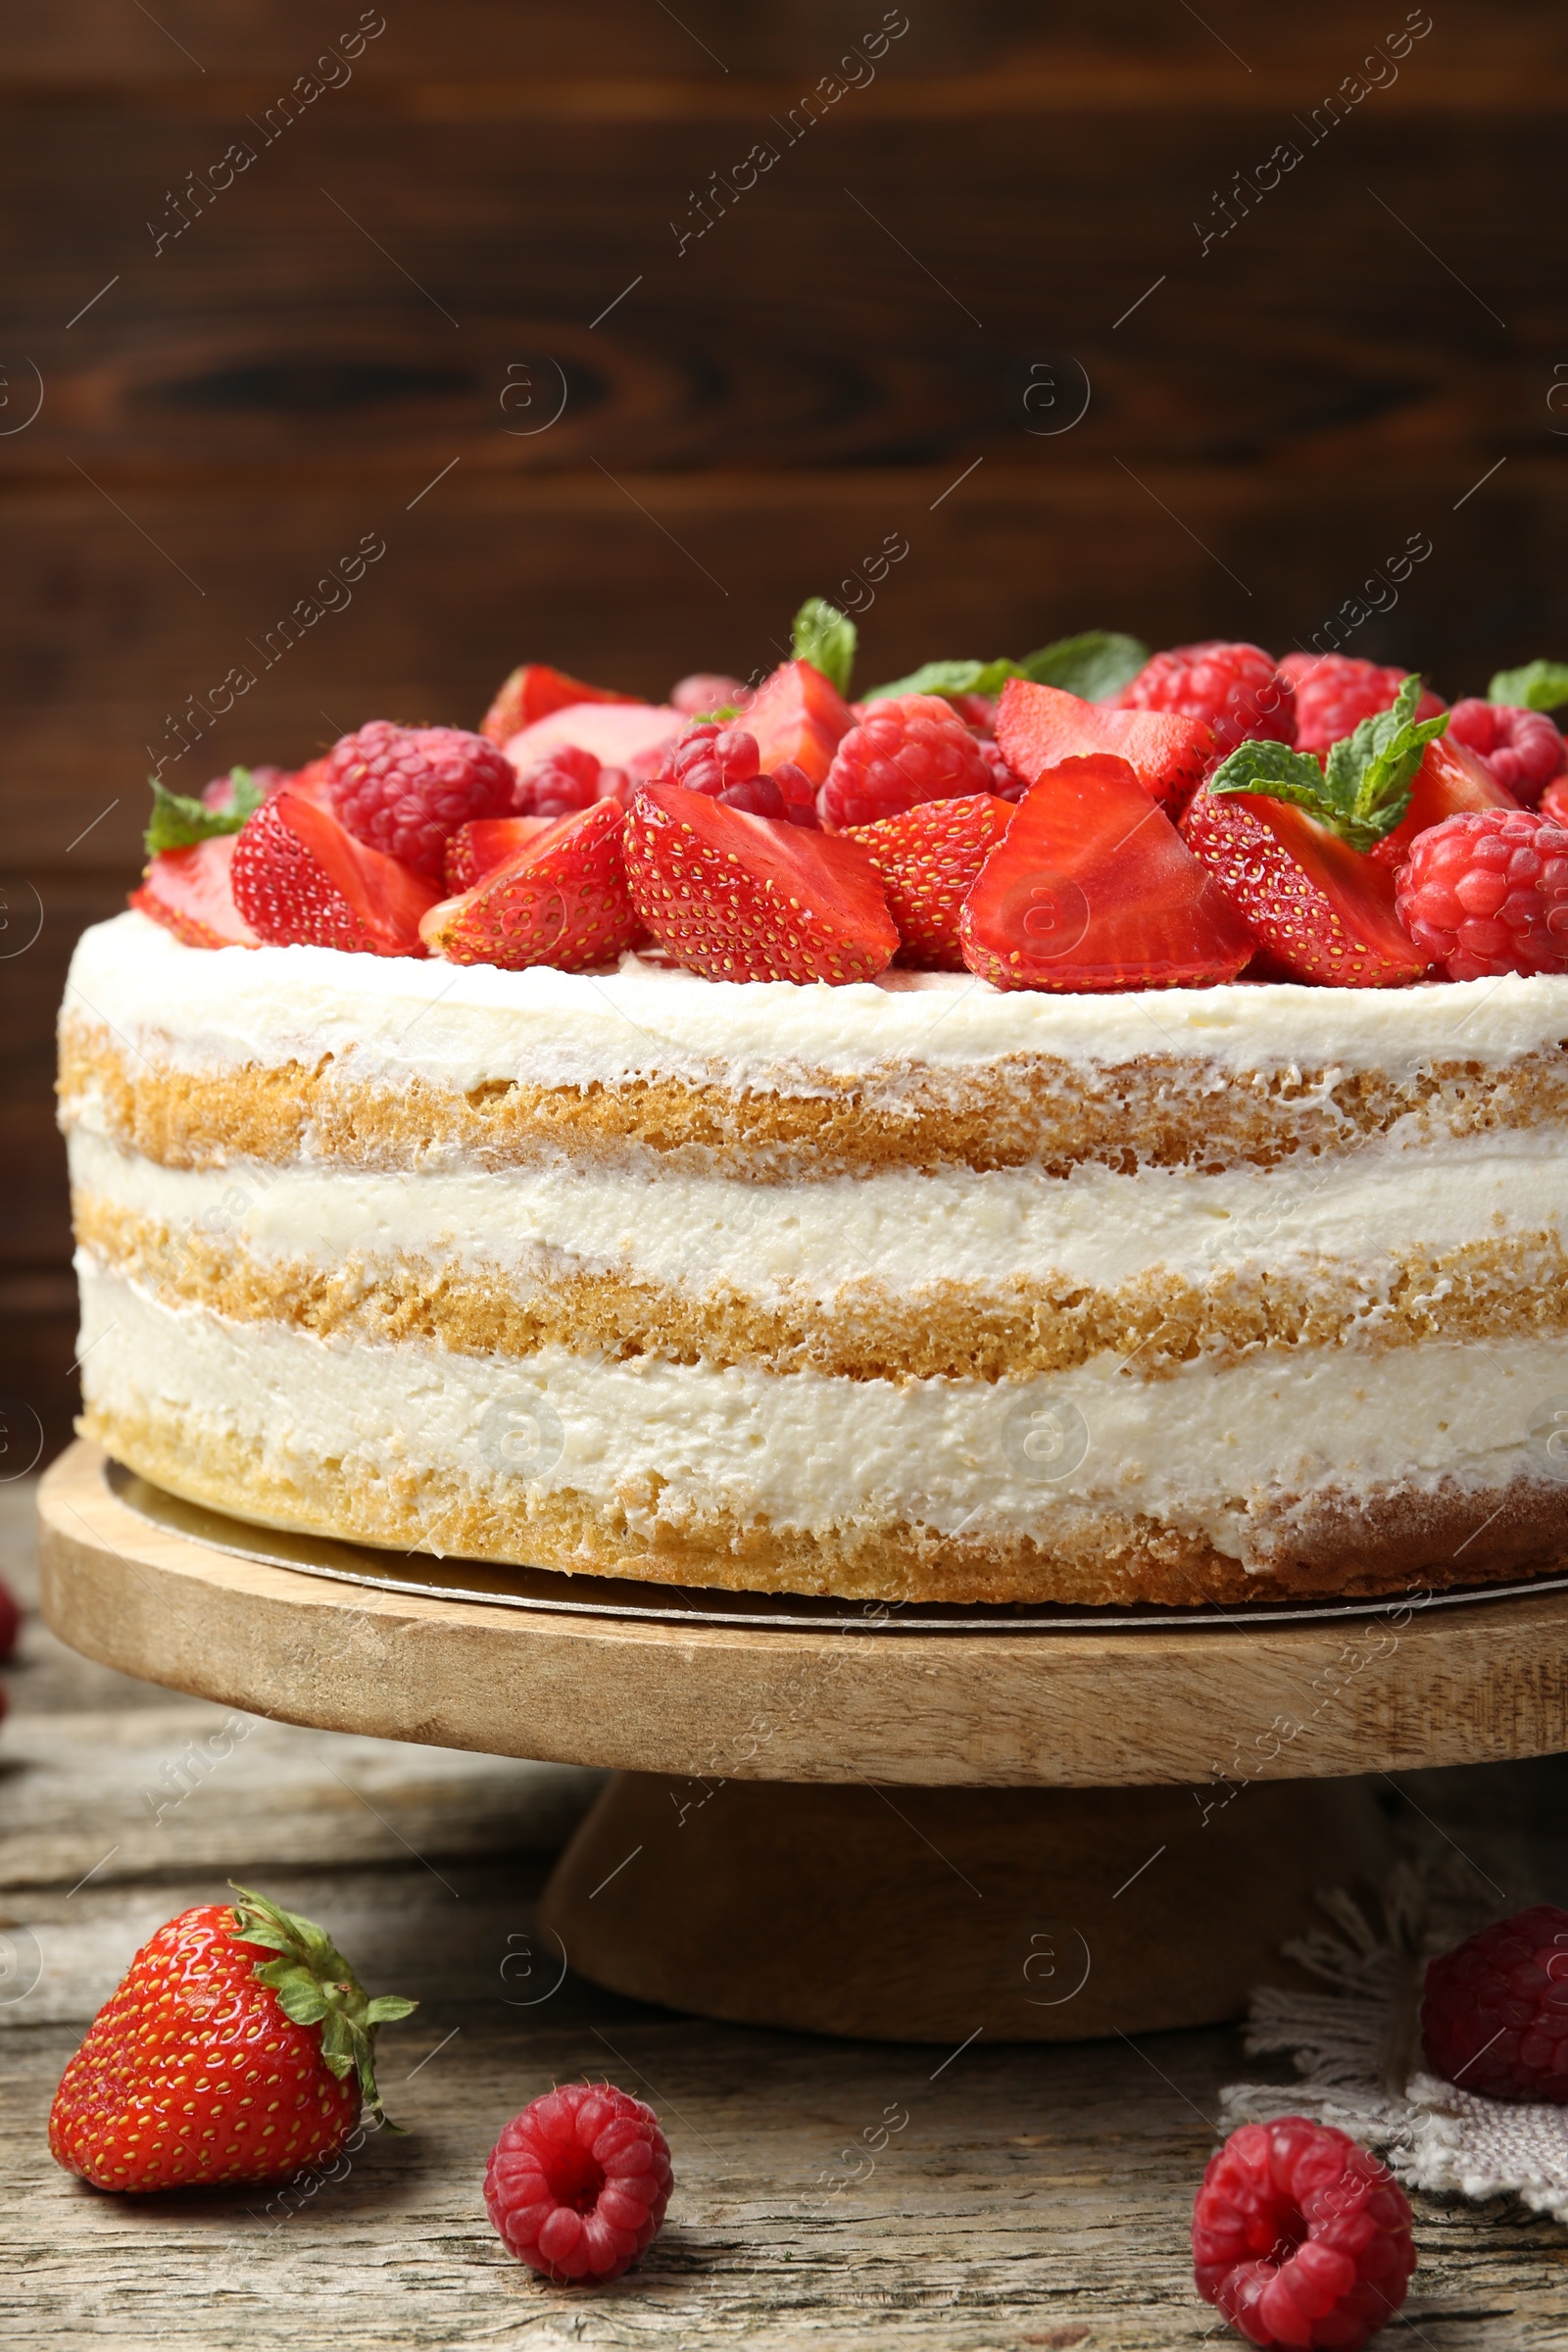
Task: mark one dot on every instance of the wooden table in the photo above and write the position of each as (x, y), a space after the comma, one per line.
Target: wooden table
(1035, 2197)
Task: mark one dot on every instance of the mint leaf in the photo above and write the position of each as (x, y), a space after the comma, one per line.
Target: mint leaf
(178, 823)
(826, 638)
(1093, 666)
(1538, 686)
(1362, 791)
(949, 677)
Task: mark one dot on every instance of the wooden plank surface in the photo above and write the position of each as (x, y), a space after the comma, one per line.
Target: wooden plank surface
(1033, 2197)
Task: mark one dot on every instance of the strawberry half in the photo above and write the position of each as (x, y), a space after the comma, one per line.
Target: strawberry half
(737, 897)
(191, 892)
(1322, 911)
(302, 879)
(1450, 781)
(239, 2047)
(486, 842)
(929, 859)
(798, 714)
(1094, 889)
(559, 900)
(533, 692)
(1039, 727)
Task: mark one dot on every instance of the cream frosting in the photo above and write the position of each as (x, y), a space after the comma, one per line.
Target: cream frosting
(463, 1026)
(1207, 1451)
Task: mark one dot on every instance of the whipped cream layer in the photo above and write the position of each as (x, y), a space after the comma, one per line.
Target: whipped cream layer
(1219, 1455)
(465, 1027)
(903, 1228)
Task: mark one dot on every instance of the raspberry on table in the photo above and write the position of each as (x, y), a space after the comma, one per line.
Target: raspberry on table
(405, 790)
(1486, 892)
(911, 748)
(1495, 2014)
(1334, 692)
(1522, 747)
(722, 762)
(577, 2183)
(1300, 2236)
(564, 781)
(1235, 689)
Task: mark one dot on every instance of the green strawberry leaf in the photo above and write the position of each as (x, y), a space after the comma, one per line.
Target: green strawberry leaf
(949, 677)
(316, 1987)
(1093, 666)
(1538, 686)
(1363, 789)
(826, 638)
(178, 823)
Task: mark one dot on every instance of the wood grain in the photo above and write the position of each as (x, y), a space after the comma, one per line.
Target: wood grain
(1036, 2196)
(1069, 1711)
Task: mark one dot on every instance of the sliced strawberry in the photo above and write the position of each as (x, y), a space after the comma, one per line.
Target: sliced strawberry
(1324, 911)
(737, 897)
(625, 734)
(1554, 801)
(1450, 781)
(191, 892)
(1039, 727)
(561, 899)
(929, 859)
(798, 714)
(486, 842)
(1094, 889)
(300, 879)
(533, 692)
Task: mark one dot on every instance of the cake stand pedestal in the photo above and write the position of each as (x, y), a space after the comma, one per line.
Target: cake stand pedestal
(1041, 1836)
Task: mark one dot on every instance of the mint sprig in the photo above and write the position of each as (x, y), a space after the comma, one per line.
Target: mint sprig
(1538, 686)
(1094, 665)
(316, 1987)
(179, 824)
(1363, 789)
(949, 677)
(826, 638)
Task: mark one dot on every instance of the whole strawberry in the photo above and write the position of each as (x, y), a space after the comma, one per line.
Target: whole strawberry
(404, 790)
(1235, 690)
(237, 2048)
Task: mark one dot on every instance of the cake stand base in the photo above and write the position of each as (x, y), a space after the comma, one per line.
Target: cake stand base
(934, 1914)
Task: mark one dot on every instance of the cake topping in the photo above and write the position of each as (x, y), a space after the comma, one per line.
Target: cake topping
(565, 780)
(191, 892)
(488, 842)
(532, 693)
(301, 878)
(723, 761)
(1319, 911)
(913, 748)
(560, 898)
(1522, 747)
(1334, 692)
(405, 790)
(1489, 893)
(1233, 690)
(929, 859)
(736, 897)
(1037, 726)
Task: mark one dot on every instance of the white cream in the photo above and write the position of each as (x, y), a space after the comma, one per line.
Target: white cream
(902, 1228)
(462, 1026)
(1206, 1451)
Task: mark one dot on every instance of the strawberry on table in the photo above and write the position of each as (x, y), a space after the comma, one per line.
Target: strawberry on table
(929, 859)
(1334, 692)
(559, 900)
(533, 692)
(1234, 690)
(1039, 727)
(239, 2047)
(737, 897)
(1288, 842)
(1093, 889)
(405, 790)
(300, 879)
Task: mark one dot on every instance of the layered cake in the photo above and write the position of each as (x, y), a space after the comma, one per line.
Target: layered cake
(987, 1237)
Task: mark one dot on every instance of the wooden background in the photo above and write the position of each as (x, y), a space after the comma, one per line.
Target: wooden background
(224, 418)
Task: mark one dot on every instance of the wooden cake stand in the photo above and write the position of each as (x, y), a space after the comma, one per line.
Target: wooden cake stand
(834, 1819)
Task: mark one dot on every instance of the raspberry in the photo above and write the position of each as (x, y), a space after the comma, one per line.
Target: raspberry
(1522, 747)
(404, 790)
(1005, 784)
(1334, 692)
(1486, 892)
(1300, 2236)
(577, 2183)
(912, 747)
(723, 762)
(1494, 2016)
(708, 690)
(565, 780)
(1234, 689)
